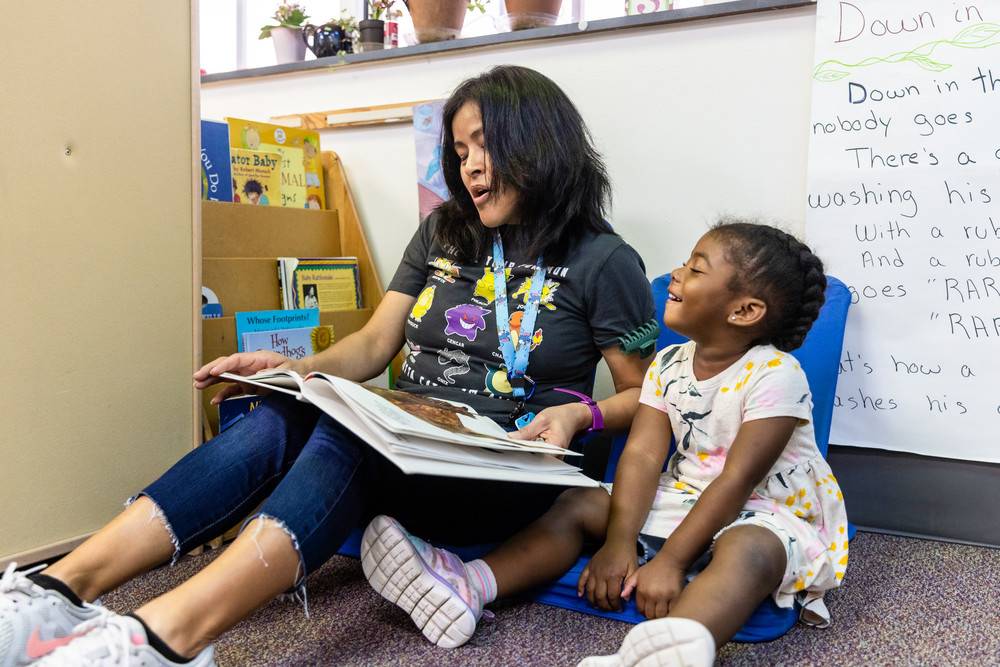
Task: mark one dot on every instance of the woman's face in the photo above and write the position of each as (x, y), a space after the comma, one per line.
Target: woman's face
(495, 208)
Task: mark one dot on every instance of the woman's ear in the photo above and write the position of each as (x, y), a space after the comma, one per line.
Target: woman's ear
(748, 312)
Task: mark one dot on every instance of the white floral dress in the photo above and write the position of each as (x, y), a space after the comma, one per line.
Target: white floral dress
(799, 499)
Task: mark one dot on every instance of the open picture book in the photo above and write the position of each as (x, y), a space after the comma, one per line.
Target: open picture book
(426, 436)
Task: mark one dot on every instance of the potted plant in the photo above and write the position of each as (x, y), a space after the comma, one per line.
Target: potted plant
(372, 29)
(288, 44)
(349, 25)
(438, 20)
(532, 13)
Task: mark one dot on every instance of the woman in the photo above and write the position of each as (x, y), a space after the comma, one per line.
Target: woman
(526, 185)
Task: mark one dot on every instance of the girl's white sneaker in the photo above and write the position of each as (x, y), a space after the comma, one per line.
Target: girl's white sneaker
(664, 642)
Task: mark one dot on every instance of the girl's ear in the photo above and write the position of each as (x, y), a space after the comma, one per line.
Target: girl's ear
(748, 312)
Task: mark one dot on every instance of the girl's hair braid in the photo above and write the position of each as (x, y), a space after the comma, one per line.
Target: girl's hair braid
(781, 270)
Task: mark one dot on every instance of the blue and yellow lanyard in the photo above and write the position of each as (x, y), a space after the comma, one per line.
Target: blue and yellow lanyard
(516, 361)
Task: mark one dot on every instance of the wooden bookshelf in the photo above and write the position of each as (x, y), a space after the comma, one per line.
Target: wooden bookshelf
(240, 244)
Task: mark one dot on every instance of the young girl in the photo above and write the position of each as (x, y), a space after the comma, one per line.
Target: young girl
(747, 481)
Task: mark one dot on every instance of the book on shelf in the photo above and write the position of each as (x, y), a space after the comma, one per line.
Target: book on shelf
(216, 176)
(302, 165)
(236, 408)
(327, 283)
(292, 343)
(256, 177)
(270, 321)
(426, 436)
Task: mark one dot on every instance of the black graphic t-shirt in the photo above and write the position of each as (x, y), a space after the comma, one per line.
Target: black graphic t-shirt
(600, 293)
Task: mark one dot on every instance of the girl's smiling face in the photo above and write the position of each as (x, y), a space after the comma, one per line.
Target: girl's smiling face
(496, 206)
(700, 303)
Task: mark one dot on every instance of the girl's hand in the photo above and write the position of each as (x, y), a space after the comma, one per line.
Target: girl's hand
(604, 575)
(557, 425)
(241, 363)
(656, 584)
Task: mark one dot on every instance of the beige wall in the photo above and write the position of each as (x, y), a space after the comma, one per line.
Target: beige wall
(96, 225)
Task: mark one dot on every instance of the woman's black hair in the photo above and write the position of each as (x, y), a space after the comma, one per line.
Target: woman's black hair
(778, 268)
(539, 147)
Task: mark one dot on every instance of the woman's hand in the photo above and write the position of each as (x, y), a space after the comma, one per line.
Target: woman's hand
(557, 425)
(656, 584)
(602, 578)
(241, 363)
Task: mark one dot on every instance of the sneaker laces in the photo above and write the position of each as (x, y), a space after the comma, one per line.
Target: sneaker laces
(13, 581)
(108, 637)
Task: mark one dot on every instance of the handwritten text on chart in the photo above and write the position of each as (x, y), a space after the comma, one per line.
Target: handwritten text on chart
(902, 204)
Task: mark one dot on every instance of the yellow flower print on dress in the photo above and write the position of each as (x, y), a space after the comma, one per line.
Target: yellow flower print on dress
(485, 287)
(548, 292)
(423, 303)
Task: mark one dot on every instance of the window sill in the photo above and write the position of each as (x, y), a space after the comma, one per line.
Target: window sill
(666, 17)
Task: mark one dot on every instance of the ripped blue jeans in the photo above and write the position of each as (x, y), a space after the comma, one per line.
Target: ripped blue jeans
(320, 482)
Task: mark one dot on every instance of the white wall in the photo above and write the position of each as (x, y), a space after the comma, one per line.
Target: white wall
(694, 120)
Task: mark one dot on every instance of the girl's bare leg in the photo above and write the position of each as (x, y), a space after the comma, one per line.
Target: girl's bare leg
(748, 564)
(552, 543)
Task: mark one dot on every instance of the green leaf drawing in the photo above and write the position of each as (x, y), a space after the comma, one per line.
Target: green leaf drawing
(973, 35)
(827, 72)
(979, 36)
(926, 63)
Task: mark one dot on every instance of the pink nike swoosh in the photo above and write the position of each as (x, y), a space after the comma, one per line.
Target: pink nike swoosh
(38, 647)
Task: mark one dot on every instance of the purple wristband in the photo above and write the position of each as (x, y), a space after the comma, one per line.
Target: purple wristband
(597, 419)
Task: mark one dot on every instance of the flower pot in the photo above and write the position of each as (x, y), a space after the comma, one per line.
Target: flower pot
(532, 13)
(288, 45)
(372, 34)
(437, 20)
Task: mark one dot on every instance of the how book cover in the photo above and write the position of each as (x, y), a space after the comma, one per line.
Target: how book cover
(292, 343)
(273, 320)
(254, 135)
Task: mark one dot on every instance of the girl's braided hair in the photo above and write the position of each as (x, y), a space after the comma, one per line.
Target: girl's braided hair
(783, 271)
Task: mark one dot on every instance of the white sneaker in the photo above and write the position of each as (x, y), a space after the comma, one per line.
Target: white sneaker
(34, 620)
(111, 640)
(428, 583)
(664, 642)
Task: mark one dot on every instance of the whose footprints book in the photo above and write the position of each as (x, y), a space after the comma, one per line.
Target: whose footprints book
(426, 436)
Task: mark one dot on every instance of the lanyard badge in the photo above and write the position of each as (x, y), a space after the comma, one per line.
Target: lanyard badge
(516, 360)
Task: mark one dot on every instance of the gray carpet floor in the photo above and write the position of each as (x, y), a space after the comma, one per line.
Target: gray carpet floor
(903, 602)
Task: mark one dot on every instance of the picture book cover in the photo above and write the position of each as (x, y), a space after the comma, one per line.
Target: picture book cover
(236, 408)
(292, 343)
(331, 283)
(255, 135)
(293, 177)
(256, 177)
(431, 188)
(273, 320)
(216, 175)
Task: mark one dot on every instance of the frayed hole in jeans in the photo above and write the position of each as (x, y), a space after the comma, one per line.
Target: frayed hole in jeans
(298, 593)
(157, 513)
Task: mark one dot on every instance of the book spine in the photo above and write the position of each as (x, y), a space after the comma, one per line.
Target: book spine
(281, 284)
